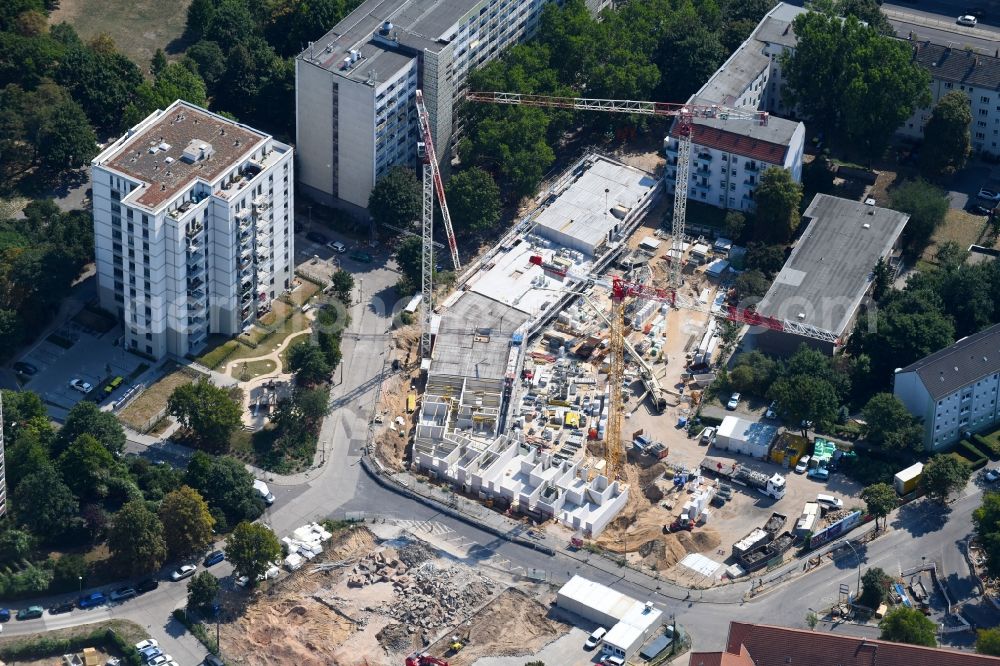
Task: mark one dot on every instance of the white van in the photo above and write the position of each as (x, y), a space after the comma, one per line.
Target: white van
(337, 247)
(803, 465)
(829, 501)
(595, 638)
(264, 493)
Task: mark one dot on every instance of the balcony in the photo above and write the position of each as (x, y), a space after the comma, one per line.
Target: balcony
(196, 322)
(705, 157)
(194, 284)
(701, 185)
(195, 270)
(752, 167)
(262, 202)
(194, 248)
(195, 230)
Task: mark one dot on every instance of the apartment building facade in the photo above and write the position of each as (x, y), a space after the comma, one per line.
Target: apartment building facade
(954, 390)
(729, 156)
(355, 86)
(193, 228)
(976, 75)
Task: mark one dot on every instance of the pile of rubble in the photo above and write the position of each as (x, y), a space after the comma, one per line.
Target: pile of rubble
(378, 567)
(431, 597)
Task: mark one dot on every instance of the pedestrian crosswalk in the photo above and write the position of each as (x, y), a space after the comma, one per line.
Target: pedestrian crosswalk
(431, 527)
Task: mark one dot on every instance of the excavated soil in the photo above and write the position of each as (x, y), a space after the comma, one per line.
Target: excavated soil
(512, 625)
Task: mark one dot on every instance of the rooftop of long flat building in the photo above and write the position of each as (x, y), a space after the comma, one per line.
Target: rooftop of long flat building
(416, 25)
(172, 148)
(767, 143)
(968, 360)
(827, 274)
(473, 338)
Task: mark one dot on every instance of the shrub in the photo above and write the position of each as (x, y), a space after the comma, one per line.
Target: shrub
(968, 451)
(989, 445)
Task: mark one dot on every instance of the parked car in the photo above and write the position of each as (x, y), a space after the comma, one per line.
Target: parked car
(988, 195)
(991, 475)
(93, 599)
(159, 659)
(146, 585)
(25, 368)
(734, 401)
(30, 613)
(212, 660)
(613, 660)
(317, 237)
(337, 247)
(967, 20)
(151, 652)
(81, 386)
(830, 501)
(819, 473)
(595, 638)
(148, 643)
(263, 491)
(185, 571)
(978, 209)
(770, 413)
(123, 593)
(707, 436)
(214, 557)
(803, 465)
(63, 607)
(363, 257)
(4, 614)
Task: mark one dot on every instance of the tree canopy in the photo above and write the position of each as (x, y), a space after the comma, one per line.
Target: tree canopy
(925, 204)
(208, 411)
(136, 540)
(852, 82)
(986, 519)
(86, 418)
(888, 424)
(187, 522)
(776, 200)
(988, 641)
(202, 589)
(309, 363)
(251, 548)
(227, 487)
(473, 200)
(880, 500)
(947, 138)
(944, 474)
(396, 198)
(45, 504)
(874, 587)
(908, 625)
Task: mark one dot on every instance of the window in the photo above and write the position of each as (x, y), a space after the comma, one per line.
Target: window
(980, 135)
(984, 99)
(984, 112)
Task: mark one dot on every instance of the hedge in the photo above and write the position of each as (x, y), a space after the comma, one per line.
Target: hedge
(990, 446)
(47, 646)
(966, 447)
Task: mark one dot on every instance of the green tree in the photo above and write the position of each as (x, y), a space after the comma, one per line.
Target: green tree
(473, 200)
(409, 259)
(396, 198)
(768, 259)
(155, 481)
(136, 540)
(880, 500)
(86, 466)
(187, 523)
(926, 205)
(689, 52)
(15, 545)
(199, 16)
(908, 625)
(777, 200)
(231, 24)
(751, 284)
(988, 641)
(69, 572)
(851, 81)
(803, 399)
(757, 370)
(944, 474)
(201, 591)
(86, 418)
(227, 487)
(65, 138)
(207, 411)
(251, 548)
(888, 424)
(158, 63)
(950, 256)
(986, 519)
(43, 503)
(343, 284)
(812, 619)
(178, 80)
(881, 279)
(947, 139)
(102, 80)
(874, 587)
(210, 59)
(308, 363)
(734, 224)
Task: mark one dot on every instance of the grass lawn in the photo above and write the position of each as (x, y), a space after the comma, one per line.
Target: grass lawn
(153, 400)
(304, 292)
(959, 226)
(139, 27)
(251, 369)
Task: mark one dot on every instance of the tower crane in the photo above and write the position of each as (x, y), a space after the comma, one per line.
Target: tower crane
(431, 182)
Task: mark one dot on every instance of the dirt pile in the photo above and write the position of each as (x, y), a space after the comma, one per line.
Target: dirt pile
(700, 540)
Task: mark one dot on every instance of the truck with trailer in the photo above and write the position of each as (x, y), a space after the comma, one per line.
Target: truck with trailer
(771, 485)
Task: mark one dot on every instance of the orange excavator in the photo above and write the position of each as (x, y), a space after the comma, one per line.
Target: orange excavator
(424, 660)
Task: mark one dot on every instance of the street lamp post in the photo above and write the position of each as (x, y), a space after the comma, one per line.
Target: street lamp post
(858, 558)
(80, 578)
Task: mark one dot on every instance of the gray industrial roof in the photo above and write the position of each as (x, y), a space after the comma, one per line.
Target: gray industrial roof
(776, 28)
(417, 24)
(967, 361)
(958, 65)
(473, 339)
(777, 130)
(828, 273)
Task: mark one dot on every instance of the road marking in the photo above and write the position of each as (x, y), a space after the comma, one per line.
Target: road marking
(429, 526)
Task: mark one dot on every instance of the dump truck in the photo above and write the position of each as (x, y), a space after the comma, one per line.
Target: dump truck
(772, 486)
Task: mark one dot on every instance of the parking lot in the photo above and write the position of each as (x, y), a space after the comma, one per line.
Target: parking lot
(75, 352)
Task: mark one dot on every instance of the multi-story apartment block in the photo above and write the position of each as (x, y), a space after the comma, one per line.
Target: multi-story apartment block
(355, 86)
(975, 74)
(954, 390)
(728, 156)
(193, 228)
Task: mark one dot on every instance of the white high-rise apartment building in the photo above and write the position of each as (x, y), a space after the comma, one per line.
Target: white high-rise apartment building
(193, 228)
(355, 86)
